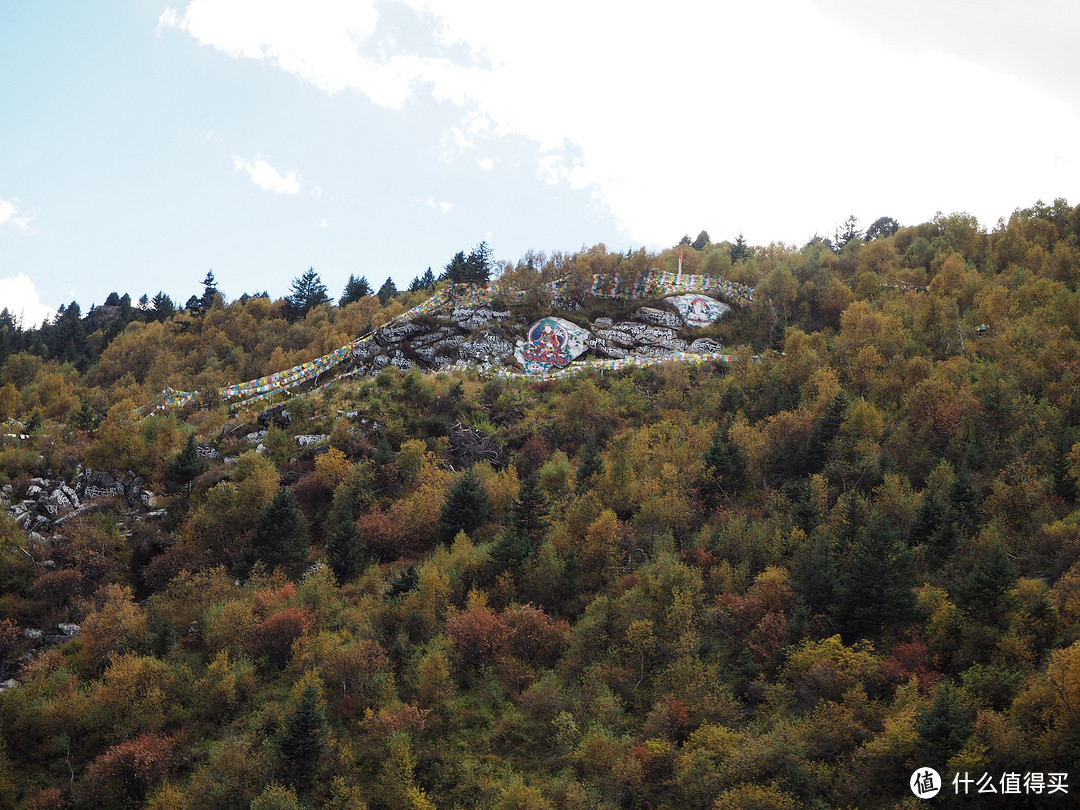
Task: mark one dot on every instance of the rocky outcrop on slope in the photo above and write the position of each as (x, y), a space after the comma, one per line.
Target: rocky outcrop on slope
(490, 338)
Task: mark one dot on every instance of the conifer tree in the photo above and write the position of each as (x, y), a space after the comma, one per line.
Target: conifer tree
(945, 726)
(210, 289)
(466, 508)
(302, 737)
(591, 462)
(355, 290)
(163, 307)
(528, 512)
(823, 433)
(991, 575)
(387, 291)
(875, 588)
(457, 269)
(279, 539)
(344, 554)
(308, 292)
(182, 471)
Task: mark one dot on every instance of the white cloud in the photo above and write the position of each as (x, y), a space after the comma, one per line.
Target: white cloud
(323, 223)
(443, 206)
(487, 164)
(769, 118)
(317, 191)
(267, 177)
(11, 215)
(19, 296)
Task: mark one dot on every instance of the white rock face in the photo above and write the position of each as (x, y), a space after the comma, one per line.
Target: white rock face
(698, 310)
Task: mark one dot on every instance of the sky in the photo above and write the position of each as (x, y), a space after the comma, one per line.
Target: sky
(144, 143)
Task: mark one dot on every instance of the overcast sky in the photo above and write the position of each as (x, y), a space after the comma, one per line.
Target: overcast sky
(142, 143)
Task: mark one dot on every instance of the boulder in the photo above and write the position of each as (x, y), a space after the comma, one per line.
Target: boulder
(394, 333)
(658, 317)
(551, 343)
(698, 310)
(706, 346)
(486, 347)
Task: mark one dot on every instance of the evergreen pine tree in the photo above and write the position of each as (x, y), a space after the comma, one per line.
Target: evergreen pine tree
(591, 462)
(181, 472)
(875, 587)
(465, 510)
(963, 503)
(478, 264)
(529, 509)
(344, 554)
(387, 291)
(456, 270)
(725, 465)
(308, 292)
(279, 539)
(823, 433)
(404, 581)
(945, 726)
(302, 736)
(813, 574)
(992, 575)
(356, 289)
(777, 332)
(427, 280)
(163, 307)
(209, 291)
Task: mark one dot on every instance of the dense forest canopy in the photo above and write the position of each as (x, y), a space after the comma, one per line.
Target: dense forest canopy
(779, 584)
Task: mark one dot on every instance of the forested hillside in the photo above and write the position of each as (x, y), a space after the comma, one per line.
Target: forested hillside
(776, 584)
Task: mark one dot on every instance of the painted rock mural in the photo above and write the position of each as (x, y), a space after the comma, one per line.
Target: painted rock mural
(698, 310)
(551, 343)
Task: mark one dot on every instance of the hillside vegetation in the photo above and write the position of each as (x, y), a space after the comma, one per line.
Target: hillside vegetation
(774, 584)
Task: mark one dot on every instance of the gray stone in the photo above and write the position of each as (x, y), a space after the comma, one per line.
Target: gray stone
(307, 439)
(698, 310)
(33, 491)
(434, 336)
(655, 335)
(401, 361)
(486, 347)
(256, 436)
(33, 633)
(157, 514)
(705, 346)
(472, 318)
(396, 332)
(69, 630)
(658, 352)
(10, 683)
(206, 450)
(607, 349)
(603, 322)
(658, 317)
